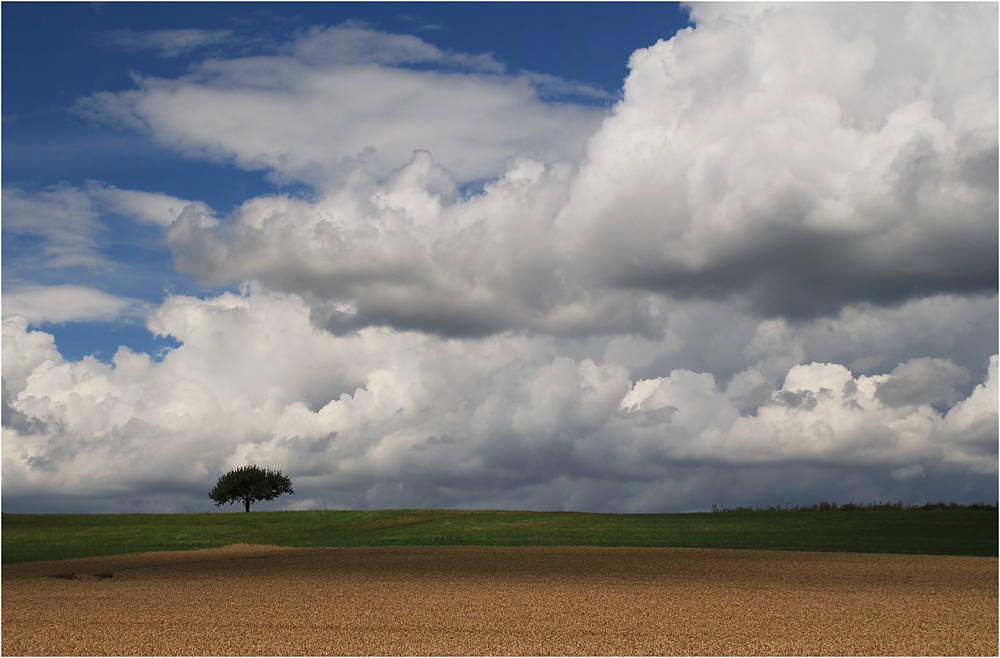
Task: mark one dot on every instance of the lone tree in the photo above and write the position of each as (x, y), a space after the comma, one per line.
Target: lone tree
(250, 484)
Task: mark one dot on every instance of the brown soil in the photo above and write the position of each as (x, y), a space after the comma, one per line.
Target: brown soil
(265, 600)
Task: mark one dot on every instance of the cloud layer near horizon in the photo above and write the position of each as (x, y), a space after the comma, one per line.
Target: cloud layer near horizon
(388, 418)
(768, 274)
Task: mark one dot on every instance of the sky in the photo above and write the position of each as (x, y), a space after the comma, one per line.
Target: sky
(601, 257)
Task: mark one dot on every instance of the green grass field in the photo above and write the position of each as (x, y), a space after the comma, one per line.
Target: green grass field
(30, 537)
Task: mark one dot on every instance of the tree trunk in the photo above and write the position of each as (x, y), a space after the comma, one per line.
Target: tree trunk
(246, 501)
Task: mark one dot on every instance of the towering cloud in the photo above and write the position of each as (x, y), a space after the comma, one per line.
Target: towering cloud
(745, 160)
(804, 157)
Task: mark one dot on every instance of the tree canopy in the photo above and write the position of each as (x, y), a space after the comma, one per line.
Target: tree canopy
(250, 484)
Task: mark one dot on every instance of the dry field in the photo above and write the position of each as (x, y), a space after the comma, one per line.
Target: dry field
(263, 600)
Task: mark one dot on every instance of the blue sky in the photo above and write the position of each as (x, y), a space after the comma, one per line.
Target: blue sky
(593, 256)
(80, 48)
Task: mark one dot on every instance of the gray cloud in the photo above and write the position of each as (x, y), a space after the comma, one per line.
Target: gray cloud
(16, 420)
(922, 381)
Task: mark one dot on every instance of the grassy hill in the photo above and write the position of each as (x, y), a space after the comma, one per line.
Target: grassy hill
(966, 531)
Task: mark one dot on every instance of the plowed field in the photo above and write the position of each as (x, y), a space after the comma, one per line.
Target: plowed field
(261, 600)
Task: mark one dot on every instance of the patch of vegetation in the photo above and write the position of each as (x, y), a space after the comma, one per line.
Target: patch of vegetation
(950, 531)
(862, 507)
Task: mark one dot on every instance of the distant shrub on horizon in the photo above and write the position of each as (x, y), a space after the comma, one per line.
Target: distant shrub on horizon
(859, 507)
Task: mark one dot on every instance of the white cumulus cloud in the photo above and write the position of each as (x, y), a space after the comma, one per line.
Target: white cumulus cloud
(767, 274)
(743, 163)
(773, 152)
(383, 417)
